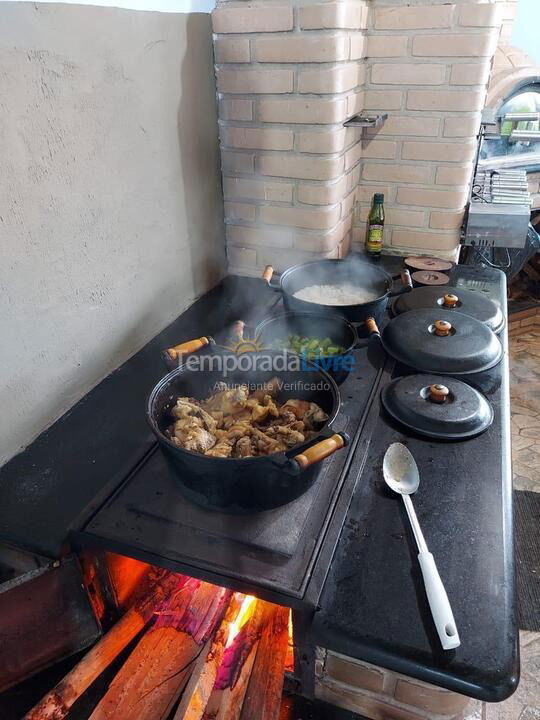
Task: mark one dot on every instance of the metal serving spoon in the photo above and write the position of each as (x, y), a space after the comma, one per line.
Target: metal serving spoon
(401, 475)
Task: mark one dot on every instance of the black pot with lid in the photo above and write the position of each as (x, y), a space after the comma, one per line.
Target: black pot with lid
(460, 300)
(440, 341)
(437, 407)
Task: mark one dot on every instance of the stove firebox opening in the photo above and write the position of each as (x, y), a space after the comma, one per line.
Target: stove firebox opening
(174, 647)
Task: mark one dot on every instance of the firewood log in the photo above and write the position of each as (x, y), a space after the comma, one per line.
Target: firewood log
(263, 696)
(56, 704)
(156, 672)
(225, 702)
(201, 682)
(231, 703)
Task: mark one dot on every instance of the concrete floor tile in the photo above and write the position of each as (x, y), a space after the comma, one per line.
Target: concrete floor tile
(507, 710)
(530, 713)
(525, 408)
(529, 688)
(474, 711)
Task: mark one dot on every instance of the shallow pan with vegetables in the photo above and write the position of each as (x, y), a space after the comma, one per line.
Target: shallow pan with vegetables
(325, 340)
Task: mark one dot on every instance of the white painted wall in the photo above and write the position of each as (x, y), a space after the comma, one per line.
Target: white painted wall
(173, 6)
(111, 218)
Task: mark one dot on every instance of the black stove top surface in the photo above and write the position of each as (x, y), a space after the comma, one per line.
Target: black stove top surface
(75, 465)
(102, 479)
(273, 552)
(374, 607)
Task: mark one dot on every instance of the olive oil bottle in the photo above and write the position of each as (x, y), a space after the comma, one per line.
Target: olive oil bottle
(375, 226)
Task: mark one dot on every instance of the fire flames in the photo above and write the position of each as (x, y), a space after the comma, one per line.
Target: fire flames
(246, 611)
(289, 660)
(249, 646)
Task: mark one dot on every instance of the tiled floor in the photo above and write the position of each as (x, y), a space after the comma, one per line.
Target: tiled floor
(525, 703)
(525, 394)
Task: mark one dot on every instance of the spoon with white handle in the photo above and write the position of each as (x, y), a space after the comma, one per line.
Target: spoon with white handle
(401, 475)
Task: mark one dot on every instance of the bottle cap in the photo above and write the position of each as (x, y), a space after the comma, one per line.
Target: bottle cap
(378, 197)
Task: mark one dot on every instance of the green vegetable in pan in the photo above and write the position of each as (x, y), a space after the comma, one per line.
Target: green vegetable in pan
(310, 347)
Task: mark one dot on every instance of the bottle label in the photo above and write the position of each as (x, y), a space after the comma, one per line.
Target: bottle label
(375, 238)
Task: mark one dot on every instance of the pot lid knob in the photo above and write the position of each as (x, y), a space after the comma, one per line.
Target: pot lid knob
(438, 393)
(442, 328)
(450, 300)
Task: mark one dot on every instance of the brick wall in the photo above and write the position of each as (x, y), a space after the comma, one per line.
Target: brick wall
(508, 15)
(288, 77)
(380, 694)
(290, 72)
(510, 67)
(427, 66)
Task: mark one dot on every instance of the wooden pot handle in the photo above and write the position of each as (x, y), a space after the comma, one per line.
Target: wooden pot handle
(319, 451)
(450, 300)
(438, 393)
(184, 348)
(267, 273)
(371, 326)
(406, 279)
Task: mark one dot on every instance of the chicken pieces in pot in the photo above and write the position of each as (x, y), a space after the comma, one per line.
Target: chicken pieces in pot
(235, 423)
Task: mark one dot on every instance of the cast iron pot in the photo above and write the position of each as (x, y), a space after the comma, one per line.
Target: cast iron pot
(243, 485)
(438, 407)
(460, 300)
(308, 324)
(442, 342)
(361, 273)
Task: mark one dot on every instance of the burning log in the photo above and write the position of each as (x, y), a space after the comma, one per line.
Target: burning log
(235, 672)
(233, 698)
(57, 703)
(263, 696)
(202, 680)
(224, 652)
(156, 672)
(289, 659)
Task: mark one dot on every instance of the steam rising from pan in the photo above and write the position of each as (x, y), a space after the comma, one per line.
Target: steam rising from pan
(346, 294)
(349, 273)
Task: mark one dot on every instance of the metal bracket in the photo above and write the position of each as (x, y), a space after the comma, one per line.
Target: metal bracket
(489, 118)
(366, 121)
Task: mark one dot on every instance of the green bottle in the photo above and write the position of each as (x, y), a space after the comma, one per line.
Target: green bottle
(375, 226)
